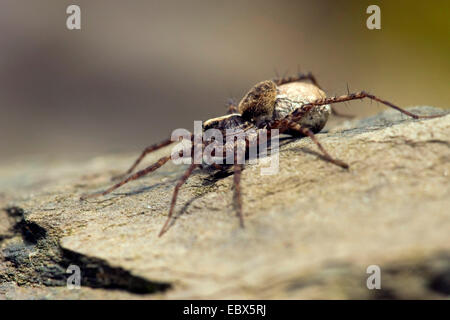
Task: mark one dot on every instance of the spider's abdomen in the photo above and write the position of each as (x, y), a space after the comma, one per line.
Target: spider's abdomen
(293, 95)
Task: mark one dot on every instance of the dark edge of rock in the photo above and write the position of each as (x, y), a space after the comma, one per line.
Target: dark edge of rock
(54, 261)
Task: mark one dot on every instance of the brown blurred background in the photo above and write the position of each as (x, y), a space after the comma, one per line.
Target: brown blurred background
(139, 69)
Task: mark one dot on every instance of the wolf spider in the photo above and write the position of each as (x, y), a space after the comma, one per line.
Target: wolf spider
(263, 107)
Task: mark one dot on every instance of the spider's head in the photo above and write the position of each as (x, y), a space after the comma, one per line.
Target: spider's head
(230, 121)
(258, 104)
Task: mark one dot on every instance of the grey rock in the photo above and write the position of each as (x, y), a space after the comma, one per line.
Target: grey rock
(311, 230)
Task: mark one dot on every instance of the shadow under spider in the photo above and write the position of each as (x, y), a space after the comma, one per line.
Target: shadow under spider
(215, 175)
(134, 192)
(145, 189)
(311, 152)
(284, 141)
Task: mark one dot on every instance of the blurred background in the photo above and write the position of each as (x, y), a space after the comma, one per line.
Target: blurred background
(138, 69)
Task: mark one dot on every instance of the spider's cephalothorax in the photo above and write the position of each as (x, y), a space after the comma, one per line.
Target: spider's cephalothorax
(229, 121)
(289, 105)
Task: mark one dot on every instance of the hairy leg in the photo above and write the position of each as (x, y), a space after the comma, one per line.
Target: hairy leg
(306, 132)
(135, 176)
(290, 121)
(337, 113)
(232, 107)
(237, 193)
(175, 195)
(146, 151)
(300, 112)
(298, 77)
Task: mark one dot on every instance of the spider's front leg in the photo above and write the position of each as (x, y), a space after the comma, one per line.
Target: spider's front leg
(158, 164)
(146, 151)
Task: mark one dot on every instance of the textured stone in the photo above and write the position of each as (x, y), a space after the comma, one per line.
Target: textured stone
(311, 230)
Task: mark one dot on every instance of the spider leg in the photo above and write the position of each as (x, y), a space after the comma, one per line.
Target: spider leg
(232, 107)
(298, 77)
(135, 176)
(237, 192)
(146, 151)
(175, 195)
(297, 114)
(341, 115)
(307, 132)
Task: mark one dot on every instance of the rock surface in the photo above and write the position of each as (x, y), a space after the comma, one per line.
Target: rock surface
(311, 230)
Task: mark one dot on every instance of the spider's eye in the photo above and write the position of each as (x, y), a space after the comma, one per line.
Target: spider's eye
(258, 104)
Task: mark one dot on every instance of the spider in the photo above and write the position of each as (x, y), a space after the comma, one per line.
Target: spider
(267, 106)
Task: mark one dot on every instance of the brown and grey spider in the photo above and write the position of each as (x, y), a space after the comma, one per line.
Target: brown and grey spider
(267, 106)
